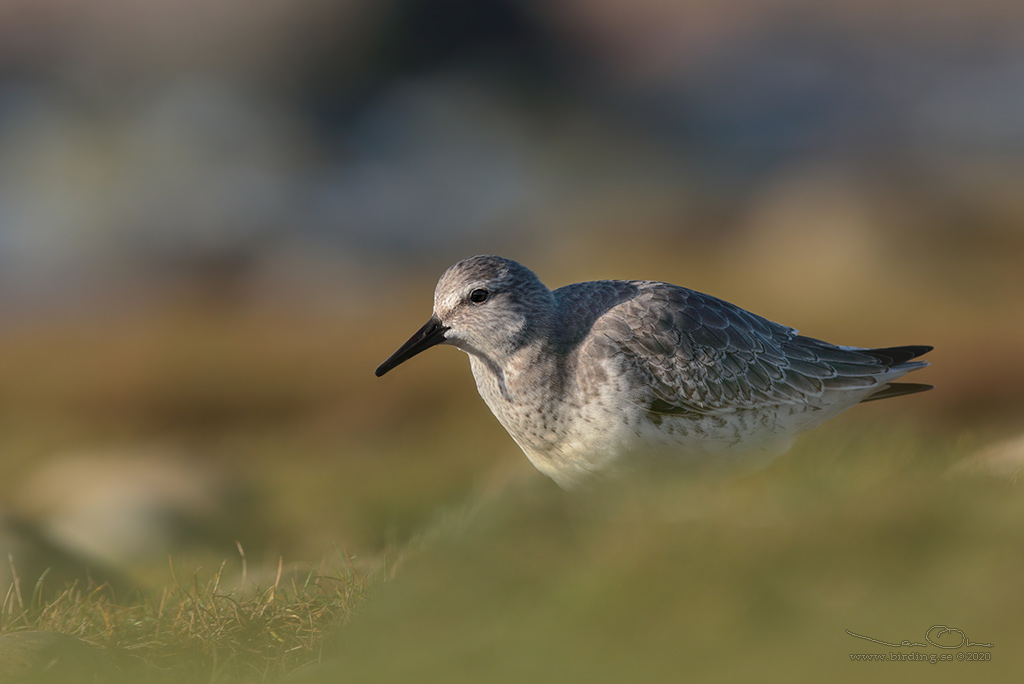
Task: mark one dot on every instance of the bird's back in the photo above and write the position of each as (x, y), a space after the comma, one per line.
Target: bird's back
(695, 370)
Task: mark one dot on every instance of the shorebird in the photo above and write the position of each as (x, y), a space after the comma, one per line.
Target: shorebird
(604, 376)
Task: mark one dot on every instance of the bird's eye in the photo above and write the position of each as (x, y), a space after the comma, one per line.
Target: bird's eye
(478, 296)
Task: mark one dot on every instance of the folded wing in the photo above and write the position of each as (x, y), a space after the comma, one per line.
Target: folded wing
(695, 354)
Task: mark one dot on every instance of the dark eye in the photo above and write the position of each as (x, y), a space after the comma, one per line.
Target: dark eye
(477, 296)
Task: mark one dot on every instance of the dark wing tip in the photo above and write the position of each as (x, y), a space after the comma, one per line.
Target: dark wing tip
(894, 356)
(898, 389)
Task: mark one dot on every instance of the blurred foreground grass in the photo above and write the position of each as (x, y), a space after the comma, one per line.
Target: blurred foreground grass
(749, 579)
(870, 528)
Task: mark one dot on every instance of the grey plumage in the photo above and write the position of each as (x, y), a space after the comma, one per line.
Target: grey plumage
(599, 376)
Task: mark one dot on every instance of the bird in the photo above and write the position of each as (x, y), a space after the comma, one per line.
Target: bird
(605, 377)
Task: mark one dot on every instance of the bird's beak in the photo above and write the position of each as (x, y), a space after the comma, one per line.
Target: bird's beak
(426, 337)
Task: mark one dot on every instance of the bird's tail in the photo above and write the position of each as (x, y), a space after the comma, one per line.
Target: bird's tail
(899, 359)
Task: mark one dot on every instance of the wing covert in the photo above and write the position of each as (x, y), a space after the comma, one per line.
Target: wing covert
(695, 353)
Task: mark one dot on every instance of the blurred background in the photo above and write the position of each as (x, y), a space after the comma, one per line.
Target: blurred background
(216, 218)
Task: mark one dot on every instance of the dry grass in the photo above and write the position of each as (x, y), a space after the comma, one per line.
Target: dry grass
(196, 628)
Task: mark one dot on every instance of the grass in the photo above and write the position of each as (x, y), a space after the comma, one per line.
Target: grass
(861, 528)
(674, 579)
(196, 629)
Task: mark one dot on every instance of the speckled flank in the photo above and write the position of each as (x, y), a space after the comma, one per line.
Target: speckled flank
(601, 376)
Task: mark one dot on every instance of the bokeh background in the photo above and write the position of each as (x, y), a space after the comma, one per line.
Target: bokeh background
(216, 218)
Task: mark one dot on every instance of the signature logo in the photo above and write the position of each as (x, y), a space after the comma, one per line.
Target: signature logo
(939, 636)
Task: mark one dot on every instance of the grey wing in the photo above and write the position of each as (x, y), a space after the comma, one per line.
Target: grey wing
(691, 353)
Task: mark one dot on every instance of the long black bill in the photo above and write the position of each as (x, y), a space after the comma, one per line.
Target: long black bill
(426, 337)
